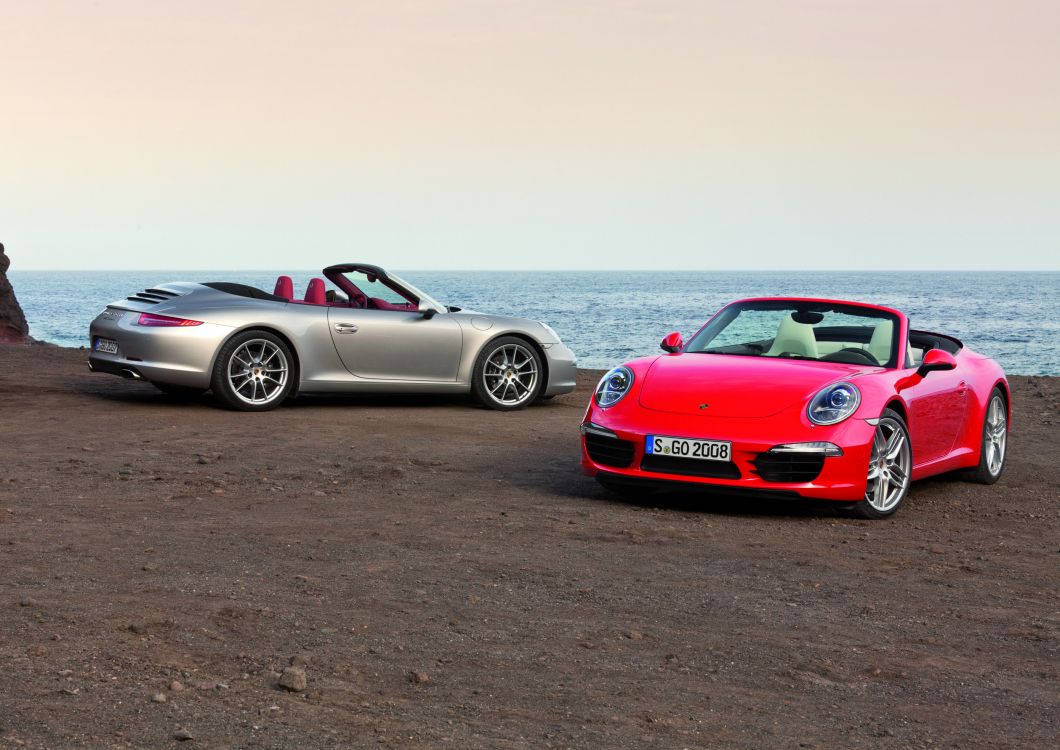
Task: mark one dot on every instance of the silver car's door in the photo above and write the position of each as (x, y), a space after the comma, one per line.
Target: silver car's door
(396, 345)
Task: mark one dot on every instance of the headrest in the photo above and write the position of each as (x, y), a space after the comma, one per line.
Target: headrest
(314, 293)
(284, 288)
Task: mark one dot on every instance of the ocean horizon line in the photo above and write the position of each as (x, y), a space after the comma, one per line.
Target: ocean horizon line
(14, 270)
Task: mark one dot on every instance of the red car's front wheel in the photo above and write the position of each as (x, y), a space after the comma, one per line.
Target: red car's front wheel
(890, 468)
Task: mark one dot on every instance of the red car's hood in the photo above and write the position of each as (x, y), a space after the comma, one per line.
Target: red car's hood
(734, 386)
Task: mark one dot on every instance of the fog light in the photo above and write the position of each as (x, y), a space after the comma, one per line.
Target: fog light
(821, 447)
(588, 428)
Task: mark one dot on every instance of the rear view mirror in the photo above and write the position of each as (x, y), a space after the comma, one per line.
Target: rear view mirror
(936, 360)
(672, 343)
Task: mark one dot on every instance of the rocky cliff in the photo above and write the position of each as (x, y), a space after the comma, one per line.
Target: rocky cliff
(13, 327)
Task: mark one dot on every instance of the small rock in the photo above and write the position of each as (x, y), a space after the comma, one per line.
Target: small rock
(175, 686)
(125, 472)
(299, 660)
(27, 602)
(293, 679)
(206, 685)
(70, 691)
(158, 698)
(319, 493)
(419, 678)
(138, 627)
(183, 735)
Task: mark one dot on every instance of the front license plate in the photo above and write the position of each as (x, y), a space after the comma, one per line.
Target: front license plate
(706, 450)
(107, 346)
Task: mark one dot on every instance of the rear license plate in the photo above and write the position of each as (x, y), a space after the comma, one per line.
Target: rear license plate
(705, 450)
(107, 346)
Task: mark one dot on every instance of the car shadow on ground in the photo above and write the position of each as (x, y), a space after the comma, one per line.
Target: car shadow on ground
(140, 393)
(577, 487)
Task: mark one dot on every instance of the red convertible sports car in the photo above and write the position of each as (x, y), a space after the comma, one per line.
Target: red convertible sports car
(796, 397)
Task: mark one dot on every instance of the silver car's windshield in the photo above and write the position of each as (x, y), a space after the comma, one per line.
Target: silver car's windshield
(821, 331)
(423, 298)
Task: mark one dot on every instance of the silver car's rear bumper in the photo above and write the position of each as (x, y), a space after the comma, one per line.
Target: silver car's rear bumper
(178, 355)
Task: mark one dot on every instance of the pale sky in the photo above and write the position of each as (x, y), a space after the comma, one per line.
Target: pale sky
(530, 134)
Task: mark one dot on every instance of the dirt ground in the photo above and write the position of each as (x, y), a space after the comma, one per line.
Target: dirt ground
(445, 577)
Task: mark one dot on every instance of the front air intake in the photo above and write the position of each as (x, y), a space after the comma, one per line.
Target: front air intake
(609, 451)
(789, 467)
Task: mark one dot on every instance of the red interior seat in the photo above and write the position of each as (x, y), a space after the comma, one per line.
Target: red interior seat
(314, 293)
(284, 288)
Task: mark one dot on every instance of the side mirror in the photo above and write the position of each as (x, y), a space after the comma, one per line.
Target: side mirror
(936, 359)
(427, 311)
(672, 343)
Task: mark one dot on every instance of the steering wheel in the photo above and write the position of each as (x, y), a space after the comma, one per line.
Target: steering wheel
(868, 357)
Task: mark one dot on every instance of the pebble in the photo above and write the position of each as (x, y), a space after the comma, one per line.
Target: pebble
(176, 686)
(319, 493)
(138, 627)
(27, 602)
(158, 698)
(293, 679)
(183, 735)
(419, 678)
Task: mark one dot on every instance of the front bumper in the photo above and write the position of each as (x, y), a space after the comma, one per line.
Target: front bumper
(841, 478)
(177, 356)
(562, 370)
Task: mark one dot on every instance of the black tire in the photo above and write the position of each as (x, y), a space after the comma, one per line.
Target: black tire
(274, 350)
(983, 473)
(179, 391)
(889, 422)
(501, 378)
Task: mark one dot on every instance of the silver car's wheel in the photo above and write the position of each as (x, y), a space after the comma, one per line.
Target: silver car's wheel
(508, 374)
(994, 445)
(254, 371)
(890, 468)
(257, 372)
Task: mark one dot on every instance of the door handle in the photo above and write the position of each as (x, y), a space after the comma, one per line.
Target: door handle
(962, 388)
(345, 328)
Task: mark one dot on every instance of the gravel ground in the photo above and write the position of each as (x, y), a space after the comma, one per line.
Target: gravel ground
(419, 572)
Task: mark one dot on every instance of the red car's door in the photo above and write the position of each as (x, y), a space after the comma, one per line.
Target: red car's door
(938, 406)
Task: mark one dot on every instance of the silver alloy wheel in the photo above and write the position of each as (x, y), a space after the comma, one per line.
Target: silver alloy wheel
(888, 466)
(995, 435)
(257, 372)
(510, 374)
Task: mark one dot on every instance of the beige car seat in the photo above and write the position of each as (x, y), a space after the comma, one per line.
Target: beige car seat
(880, 343)
(794, 338)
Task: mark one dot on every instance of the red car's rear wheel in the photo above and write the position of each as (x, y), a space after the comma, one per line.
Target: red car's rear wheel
(995, 442)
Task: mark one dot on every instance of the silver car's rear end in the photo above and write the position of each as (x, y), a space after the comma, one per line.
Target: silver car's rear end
(123, 344)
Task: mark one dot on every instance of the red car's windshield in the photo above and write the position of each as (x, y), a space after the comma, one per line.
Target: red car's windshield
(822, 331)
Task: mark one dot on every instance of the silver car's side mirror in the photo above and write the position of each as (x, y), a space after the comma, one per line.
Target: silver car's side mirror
(427, 311)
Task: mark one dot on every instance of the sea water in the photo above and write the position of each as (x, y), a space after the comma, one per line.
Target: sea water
(607, 317)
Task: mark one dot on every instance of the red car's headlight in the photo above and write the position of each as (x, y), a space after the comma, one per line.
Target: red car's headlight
(613, 387)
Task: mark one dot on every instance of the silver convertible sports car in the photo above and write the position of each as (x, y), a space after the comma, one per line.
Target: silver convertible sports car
(369, 332)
